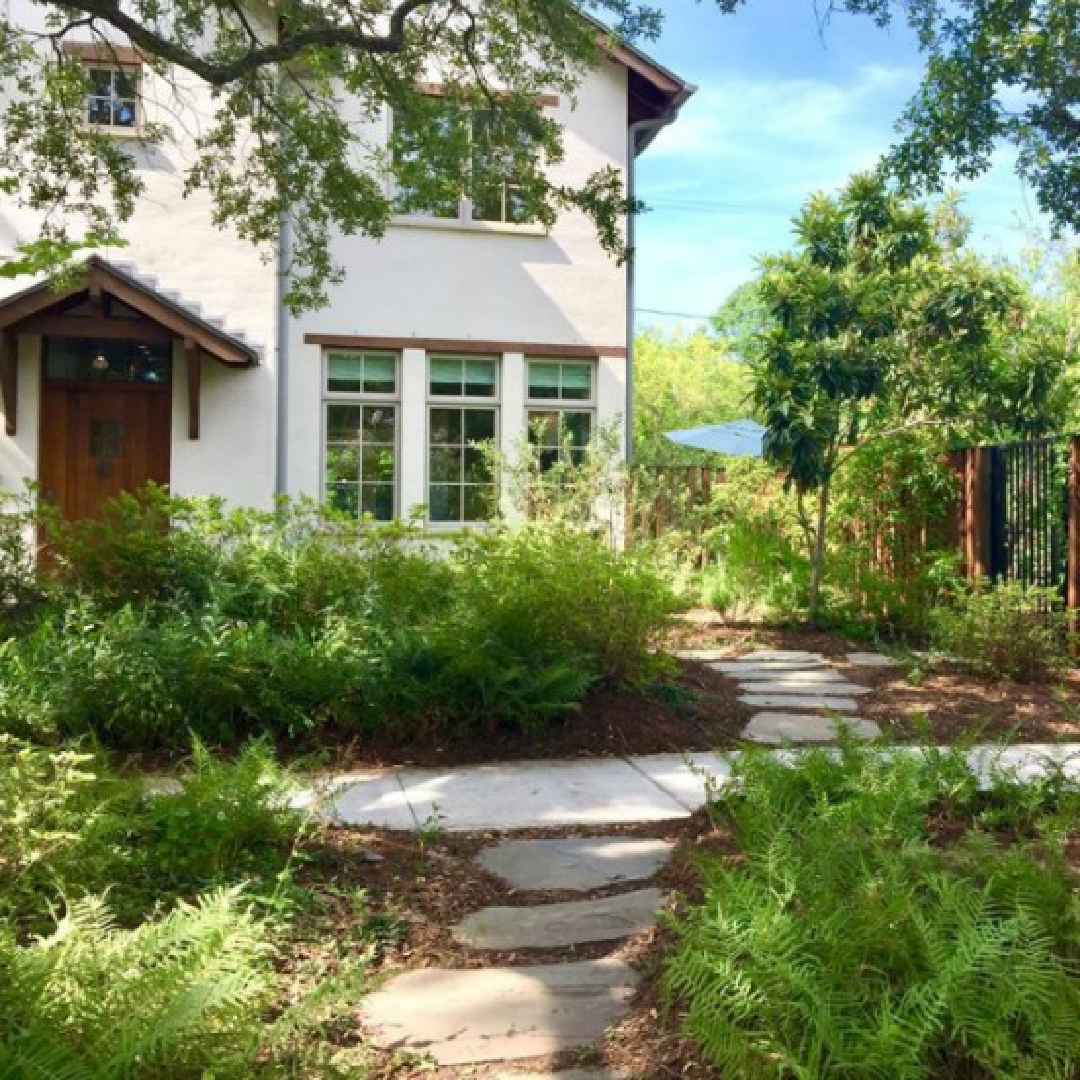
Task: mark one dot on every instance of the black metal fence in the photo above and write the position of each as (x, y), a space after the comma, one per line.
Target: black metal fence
(1028, 527)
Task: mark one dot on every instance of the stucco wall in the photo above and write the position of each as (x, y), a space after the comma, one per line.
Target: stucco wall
(422, 280)
(433, 279)
(171, 239)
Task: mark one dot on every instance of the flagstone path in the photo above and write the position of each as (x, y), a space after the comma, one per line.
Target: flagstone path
(520, 1013)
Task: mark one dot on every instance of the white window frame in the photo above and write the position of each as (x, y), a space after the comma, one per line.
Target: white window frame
(132, 72)
(560, 404)
(360, 398)
(461, 402)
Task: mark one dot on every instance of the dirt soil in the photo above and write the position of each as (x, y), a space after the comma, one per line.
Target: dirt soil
(421, 886)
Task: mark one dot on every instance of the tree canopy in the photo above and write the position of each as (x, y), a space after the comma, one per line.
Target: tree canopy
(279, 145)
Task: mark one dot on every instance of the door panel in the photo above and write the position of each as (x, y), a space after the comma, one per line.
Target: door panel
(99, 442)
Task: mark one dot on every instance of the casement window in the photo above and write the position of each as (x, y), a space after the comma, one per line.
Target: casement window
(361, 417)
(561, 409)
(112, 100)
(463, 393)
(453, 162)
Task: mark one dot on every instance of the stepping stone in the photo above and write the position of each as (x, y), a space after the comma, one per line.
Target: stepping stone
(805, 687)
(499, 1014)
(798, 701)
(701, 654)
(783, 674)
(767, 667)
(781, 654)
(554, 926)
(872, 660)
(775, 728)
(567, 1074)
(582, 864)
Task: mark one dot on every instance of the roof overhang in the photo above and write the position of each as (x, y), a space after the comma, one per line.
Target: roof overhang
(100, 277)
(654, 94)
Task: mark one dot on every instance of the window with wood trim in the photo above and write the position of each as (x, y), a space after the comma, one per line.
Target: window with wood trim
(360, 447)
(112, 99)
(460, 163)
(462, 417)
(561, 409)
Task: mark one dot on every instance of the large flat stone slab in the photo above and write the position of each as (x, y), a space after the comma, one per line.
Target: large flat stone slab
(554, 926)
(872, 660)
(701, 655)
(798, 701)
(819, 676)
(805, 689)
(377, 800)
(580, 864)
(740, 667)
(686, 777)
(526, 795)
(499, 1014)
(781, 654)
(776, 728)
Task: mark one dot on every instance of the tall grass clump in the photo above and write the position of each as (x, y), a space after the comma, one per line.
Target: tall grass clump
(880, 924)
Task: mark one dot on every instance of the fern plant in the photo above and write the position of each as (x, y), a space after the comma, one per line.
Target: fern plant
(848, 943)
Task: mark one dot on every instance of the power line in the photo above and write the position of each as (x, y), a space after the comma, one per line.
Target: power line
(671, 314)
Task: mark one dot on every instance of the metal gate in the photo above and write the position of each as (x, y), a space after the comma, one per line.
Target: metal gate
(1029, 512)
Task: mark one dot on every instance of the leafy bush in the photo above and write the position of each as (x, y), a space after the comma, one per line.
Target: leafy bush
(69, 827)
(175, 618)
(1006, 630)
(182, 996)
(849, 942)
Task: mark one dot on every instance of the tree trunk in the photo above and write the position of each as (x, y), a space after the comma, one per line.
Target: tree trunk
(817, 562)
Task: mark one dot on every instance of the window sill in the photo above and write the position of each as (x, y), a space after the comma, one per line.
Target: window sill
(121, 134)
(409, 221)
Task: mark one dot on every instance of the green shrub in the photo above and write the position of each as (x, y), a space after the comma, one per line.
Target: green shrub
(1006, 630)
(69, 828)
(847, 942)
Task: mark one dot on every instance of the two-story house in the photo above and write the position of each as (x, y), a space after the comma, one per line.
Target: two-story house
(174, 359)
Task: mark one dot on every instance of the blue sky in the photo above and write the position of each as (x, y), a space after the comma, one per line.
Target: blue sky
(784, 108)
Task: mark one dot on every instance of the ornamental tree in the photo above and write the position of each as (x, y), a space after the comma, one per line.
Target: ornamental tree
(877, 326)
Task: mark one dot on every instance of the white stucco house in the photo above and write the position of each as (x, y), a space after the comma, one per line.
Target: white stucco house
(174, 360)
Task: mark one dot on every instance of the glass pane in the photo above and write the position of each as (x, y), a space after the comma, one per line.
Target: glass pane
(107, 439)
(344, 422)
(446, 376)
(543, 380)
(479, 503)
(101, 82)
(480, 378)
(445, 427)
(123, 114)
(380, 374)
(544, 428)
(344, 498)
(577, 382)
(342, 464)
(379, 423)
(479, 425)
(445, 464)
(112, 360)
(126, 84)
(548, 459)
(444, 502)
(378, 465)
(577, 426)
(487, 200)
(345, 372)
(378, 501)
(477, 469)
(99, 110)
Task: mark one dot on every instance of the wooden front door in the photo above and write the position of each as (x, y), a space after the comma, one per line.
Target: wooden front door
(100, 440)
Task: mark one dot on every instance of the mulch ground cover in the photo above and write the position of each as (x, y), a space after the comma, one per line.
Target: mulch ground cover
(417, 887)
(692, 707)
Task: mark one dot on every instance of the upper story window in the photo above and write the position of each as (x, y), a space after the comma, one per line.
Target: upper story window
(460, 164)
(113, 97)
